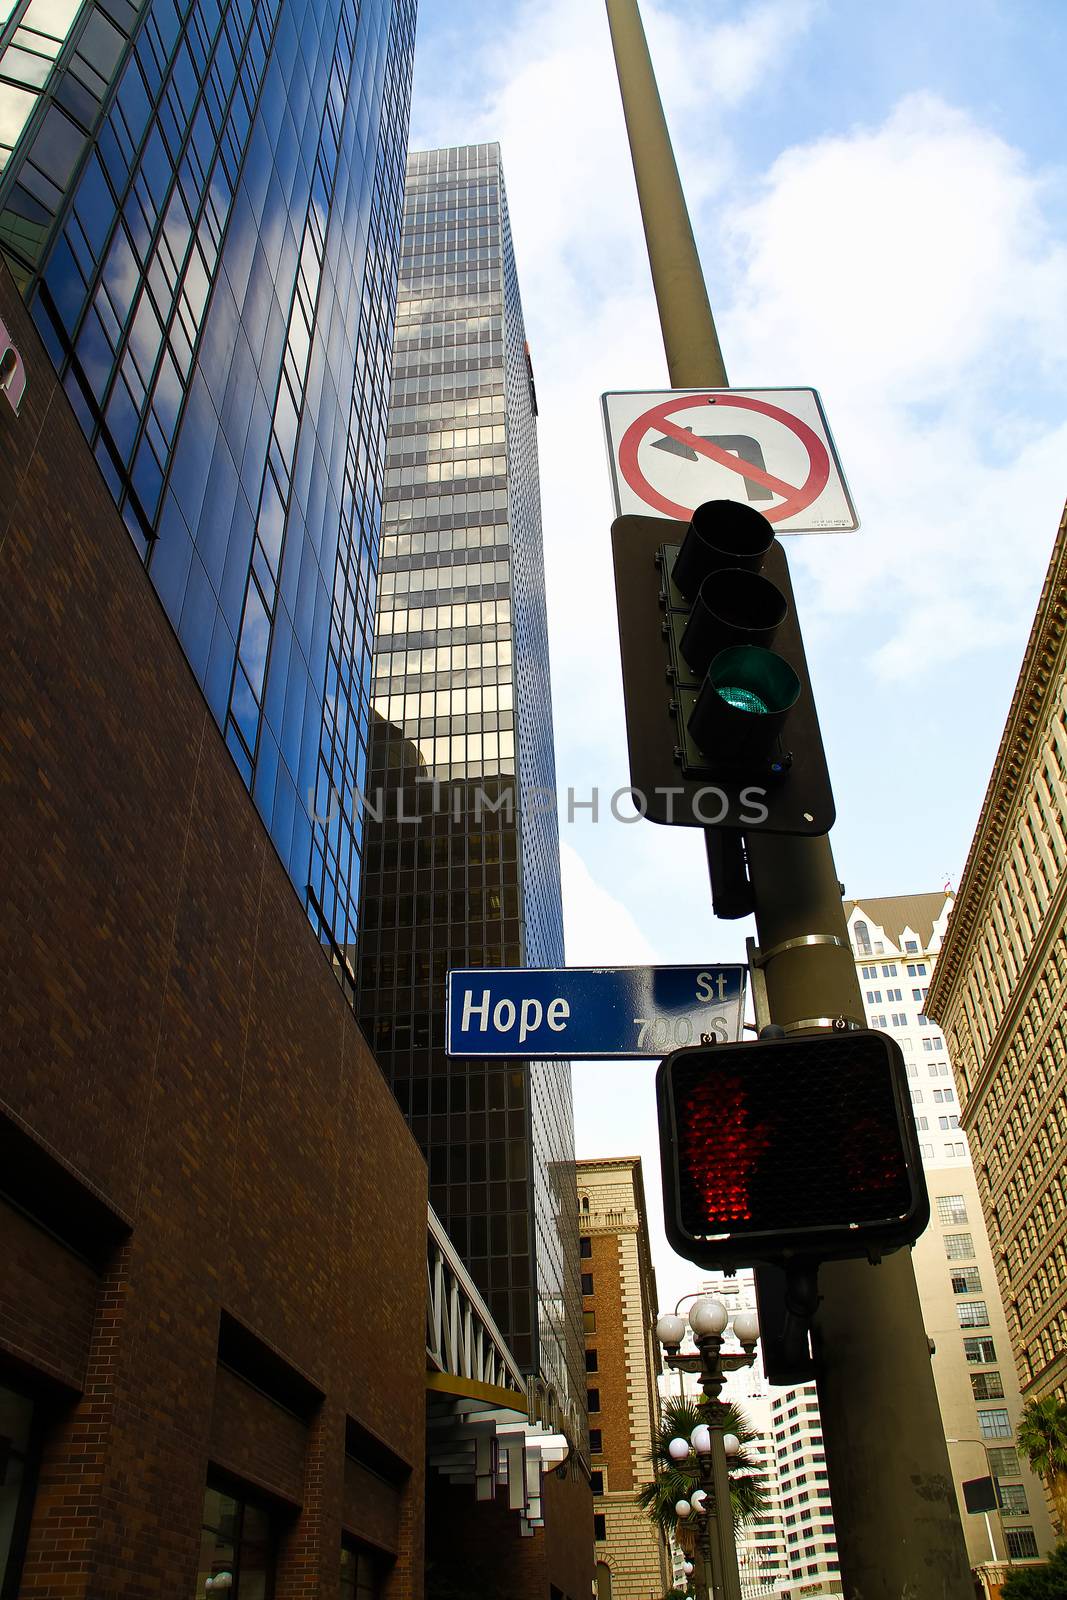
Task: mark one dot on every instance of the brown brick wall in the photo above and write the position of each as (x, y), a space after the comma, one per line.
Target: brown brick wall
(50, 1320)
(171, 1031)
(611, 1379)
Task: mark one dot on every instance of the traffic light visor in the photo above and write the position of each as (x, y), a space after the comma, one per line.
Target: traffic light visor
(752, 679)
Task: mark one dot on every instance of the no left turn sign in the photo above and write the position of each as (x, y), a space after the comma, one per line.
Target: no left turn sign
(771, 448)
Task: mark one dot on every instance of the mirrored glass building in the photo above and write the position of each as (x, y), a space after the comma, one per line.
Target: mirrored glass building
(201, 203)
(462, 857)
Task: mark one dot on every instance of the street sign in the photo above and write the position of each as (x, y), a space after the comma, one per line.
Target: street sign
(770, 448)
(575, 1013)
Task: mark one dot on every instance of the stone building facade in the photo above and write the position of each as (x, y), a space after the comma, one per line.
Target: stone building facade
(999, 994)
(897, 942)
(622, 1364)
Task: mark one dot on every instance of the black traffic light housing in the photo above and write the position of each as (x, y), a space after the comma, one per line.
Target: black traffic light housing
(720, 718)
(789, 1150)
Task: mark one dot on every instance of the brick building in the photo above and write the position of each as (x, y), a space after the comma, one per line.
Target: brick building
(213, 1216)
(622, 1364)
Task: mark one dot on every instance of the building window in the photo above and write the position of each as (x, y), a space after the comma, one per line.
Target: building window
(994, 1423)
(236, 1538)
(361, 1574)
(1013, 1499)
(587, 1283)
(1004, 1461)
(585, 1247)
(926, 1151)
(596, 1441)
(951, 1209)
(959, 1246)
(911, 947)
(945, 1123)
(600, 1529)
(591, 1364)
(1022, 1546)
(16, 1485)
(863, 937)
(874, 997)
(870, 972)
(597, 1481)
(987, 1386)
(893, 994)
(966, 1280)
(592, 1399)
(588, 1321)
(890, 970)
(979, 1350)
(972, 1313)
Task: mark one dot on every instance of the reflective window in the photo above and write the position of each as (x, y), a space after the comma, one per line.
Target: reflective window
(237, 1548)
(16, 1422)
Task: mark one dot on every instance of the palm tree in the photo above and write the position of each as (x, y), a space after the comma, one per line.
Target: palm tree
(676, 1480)
(1042, 1438)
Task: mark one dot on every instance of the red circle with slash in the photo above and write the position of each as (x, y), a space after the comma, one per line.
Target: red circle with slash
(796, 498)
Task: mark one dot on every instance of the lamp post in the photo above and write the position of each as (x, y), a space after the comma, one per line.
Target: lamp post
(708, 1320)
(973, 1439)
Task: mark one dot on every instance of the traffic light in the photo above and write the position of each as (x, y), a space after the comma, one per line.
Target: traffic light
(789, 1149)
(720, 719)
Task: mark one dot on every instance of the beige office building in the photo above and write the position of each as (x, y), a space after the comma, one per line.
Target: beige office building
(897, 943)
(999, 995)
(622, 1365)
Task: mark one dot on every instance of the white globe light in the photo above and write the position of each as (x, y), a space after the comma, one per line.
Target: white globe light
(670, 1329)
(678, 1449)
(731, 1443)
(682, 1508)
(698, 1497)
(746, 1326)
(708, 1316)
(687, 1567)
(700, 1439)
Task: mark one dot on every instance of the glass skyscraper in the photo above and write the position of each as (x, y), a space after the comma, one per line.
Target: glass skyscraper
(462, 863)
(201, 202)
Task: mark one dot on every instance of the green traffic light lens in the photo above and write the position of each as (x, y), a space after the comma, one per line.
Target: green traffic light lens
(754, 680)
(743, 699)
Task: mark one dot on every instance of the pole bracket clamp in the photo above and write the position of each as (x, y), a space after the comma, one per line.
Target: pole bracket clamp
(760, 958)
(836, 1024)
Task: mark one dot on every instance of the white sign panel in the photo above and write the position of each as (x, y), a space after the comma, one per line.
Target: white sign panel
(771, 448)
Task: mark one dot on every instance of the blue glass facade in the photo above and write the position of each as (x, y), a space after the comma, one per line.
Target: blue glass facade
(462, 862)
(202, 204)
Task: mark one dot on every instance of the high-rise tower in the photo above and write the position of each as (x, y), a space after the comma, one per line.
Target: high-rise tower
(897, 942)
(463, 867)
(200, 200)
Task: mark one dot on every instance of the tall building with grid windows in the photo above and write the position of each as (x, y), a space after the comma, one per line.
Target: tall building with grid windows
(200, 201)
(999, 996)
(896, 943)
(462, 869)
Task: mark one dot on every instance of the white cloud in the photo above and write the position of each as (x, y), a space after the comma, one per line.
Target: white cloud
(600, 930)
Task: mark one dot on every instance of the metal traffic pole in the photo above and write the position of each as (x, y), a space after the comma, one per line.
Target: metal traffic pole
(895, 1512)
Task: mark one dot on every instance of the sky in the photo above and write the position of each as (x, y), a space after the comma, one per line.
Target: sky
(880, 202)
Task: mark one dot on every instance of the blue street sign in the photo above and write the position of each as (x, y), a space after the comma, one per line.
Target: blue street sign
(570, 1013)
